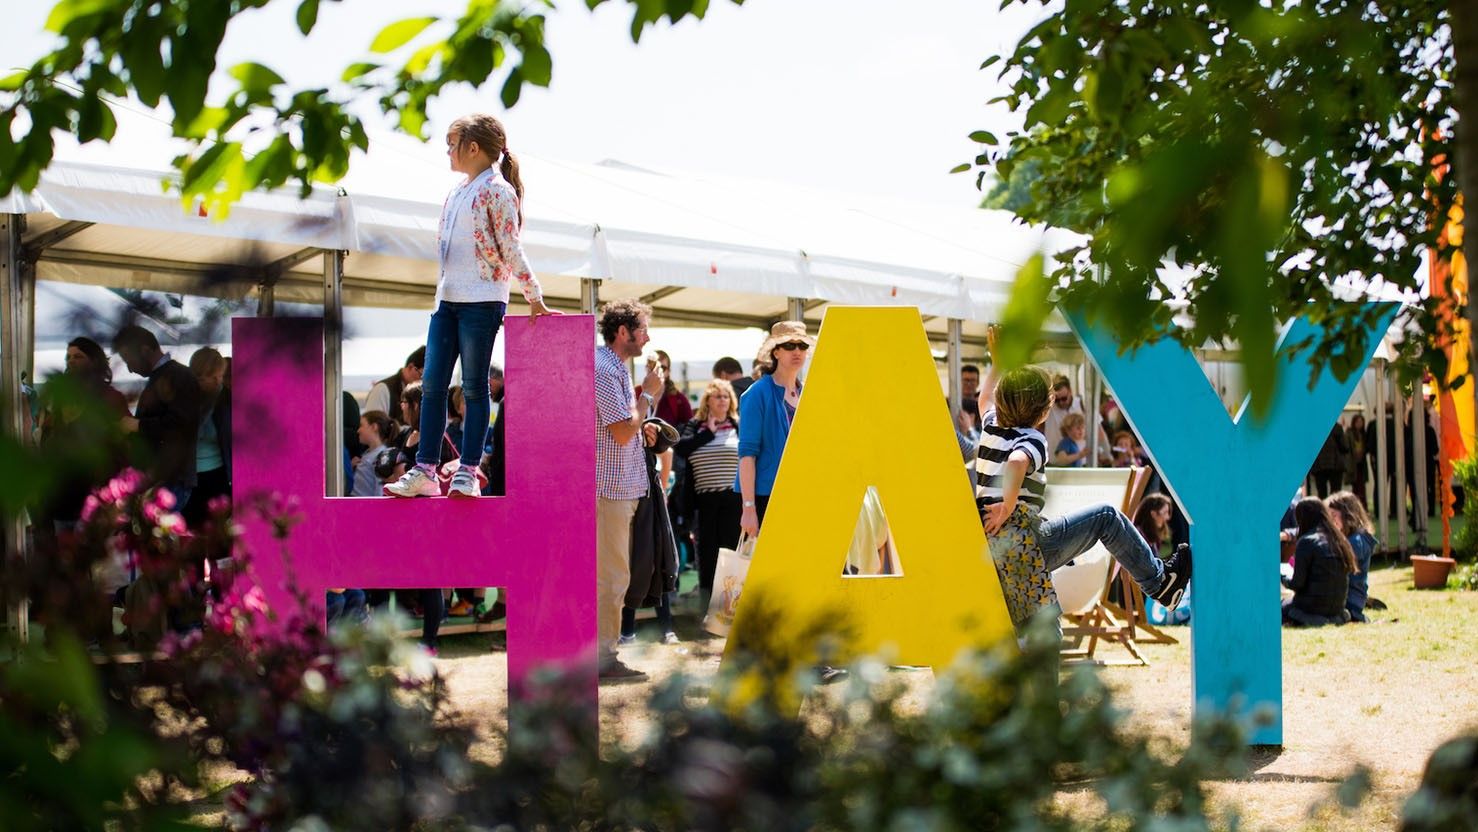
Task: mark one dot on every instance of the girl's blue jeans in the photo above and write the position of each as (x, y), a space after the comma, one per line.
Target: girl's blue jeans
(466, 331)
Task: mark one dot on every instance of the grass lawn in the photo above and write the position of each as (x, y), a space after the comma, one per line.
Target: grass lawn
(1383, 695)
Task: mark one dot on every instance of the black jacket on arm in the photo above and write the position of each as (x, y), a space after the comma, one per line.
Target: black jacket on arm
(653, 548)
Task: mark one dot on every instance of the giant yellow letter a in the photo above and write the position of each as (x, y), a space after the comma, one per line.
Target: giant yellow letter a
(872, 414)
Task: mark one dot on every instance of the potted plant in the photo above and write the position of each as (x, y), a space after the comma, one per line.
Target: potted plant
(1430, 571)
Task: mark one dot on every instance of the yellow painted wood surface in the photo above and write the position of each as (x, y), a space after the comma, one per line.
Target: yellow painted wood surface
(872, 413)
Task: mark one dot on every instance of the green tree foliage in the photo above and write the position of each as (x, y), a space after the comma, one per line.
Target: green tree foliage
(1013, 193)
(1276, 152)
(165, 53)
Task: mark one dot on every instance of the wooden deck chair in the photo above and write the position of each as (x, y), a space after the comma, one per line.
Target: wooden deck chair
(1081, 584)
(1107, 621)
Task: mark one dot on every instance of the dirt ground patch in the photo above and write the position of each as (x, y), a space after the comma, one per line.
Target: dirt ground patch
(1383, 695)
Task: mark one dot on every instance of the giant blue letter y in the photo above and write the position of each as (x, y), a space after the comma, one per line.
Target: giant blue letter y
(1234, 478)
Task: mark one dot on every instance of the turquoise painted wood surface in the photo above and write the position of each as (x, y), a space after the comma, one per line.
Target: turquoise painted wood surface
(1234, 477)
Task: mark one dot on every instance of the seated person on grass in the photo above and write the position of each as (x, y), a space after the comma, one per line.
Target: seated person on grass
(1350, 515)
(1322, 564)
(1010, 483)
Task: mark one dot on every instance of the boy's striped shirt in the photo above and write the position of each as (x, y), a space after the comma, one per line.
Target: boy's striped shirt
(996, 445)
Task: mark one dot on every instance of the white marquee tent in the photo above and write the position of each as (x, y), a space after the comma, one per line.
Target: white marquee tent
(702, 250)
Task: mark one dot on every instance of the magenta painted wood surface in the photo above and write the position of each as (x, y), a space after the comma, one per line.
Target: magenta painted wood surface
(538, 542)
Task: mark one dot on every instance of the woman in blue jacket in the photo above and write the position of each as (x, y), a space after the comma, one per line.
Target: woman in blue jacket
(765, 413)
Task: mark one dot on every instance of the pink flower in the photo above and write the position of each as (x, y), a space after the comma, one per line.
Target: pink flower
(90, 507)
(164, 498)
(255, 600)
(172, 523)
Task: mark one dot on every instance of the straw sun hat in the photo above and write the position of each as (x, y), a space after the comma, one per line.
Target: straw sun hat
(783, 332)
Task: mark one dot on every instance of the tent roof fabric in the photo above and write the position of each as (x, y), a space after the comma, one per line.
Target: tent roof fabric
(702, 250)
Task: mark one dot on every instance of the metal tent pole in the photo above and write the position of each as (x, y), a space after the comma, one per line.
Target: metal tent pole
(953, 362)
(589, 295)
(1380, 489)
(12, 365)
(333, 372)
(1398, 488)
(1419, 467)
(795, 309)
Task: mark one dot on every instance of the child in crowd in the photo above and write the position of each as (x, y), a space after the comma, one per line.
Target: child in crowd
(1072, 450)
(1350, 515)
(376, 430)
(1322, 564)
(1010, 483)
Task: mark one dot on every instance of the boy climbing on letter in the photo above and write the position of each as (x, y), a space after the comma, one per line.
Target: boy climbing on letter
(1010, 482)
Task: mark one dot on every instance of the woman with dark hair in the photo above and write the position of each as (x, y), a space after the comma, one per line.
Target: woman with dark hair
(673, 407)
(765, 414)
(87, 362)
(1152, 519)
(1322, 564)
(82, 424)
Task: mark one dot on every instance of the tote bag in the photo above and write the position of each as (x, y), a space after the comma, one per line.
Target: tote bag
(728, 583)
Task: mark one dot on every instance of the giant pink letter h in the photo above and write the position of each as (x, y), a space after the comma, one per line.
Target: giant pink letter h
(538, 542)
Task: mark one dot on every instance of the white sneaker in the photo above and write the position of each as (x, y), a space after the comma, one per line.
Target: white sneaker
(670, 638)
(414, 483)
(464, 484)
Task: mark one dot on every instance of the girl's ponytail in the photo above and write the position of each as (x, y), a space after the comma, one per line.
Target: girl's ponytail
(509, 168)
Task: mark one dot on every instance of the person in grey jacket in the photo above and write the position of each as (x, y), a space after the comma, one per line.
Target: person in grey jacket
(653, 547)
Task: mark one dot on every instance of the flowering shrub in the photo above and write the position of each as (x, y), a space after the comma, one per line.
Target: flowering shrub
(351, 728)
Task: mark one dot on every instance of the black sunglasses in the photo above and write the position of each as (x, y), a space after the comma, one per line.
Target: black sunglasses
(795, 345)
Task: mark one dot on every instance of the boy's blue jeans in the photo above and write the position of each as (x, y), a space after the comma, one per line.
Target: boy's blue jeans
(1064, 538)
(466, 331)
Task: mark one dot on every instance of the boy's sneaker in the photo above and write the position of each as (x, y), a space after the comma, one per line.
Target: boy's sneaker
(464, 484)
(616, 671)
(670, 637)
(414, 483)
(624, 640)
(1177, 578)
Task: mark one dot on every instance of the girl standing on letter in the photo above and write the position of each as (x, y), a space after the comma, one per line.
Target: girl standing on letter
(481, 253)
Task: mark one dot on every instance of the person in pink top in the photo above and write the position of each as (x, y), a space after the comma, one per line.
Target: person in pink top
(481, 255)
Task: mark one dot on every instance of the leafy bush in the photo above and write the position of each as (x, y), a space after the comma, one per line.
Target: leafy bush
(1448, 796)
(1465, 539)
(351, 728)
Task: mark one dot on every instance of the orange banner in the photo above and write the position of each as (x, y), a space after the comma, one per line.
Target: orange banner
(1455, 413)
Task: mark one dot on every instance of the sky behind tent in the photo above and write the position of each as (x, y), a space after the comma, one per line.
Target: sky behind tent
(854, 96)
(847, 95)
